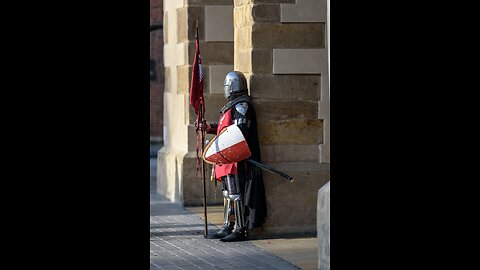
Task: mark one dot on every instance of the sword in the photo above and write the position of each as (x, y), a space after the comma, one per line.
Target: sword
(268, 168)
(251, 161)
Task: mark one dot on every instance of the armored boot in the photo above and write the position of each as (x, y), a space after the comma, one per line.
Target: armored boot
(224, 231)
(228, 225)
(237, 235)
(240, 232)
(233, 186)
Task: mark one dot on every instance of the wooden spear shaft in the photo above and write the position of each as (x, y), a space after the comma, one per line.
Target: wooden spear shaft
(203, 162)
(203, 176)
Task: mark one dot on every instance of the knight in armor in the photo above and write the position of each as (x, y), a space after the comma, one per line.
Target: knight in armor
(242, 183)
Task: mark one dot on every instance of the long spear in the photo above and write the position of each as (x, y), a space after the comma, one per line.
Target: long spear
(202, 130)
(197, 101)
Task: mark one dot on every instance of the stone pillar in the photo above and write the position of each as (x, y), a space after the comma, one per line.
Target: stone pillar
(323, 227)
(176, 177)
(280, 45)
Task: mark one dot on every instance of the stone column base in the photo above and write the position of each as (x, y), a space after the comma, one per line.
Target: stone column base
(292, 207)
(323, 227)
(176, 179)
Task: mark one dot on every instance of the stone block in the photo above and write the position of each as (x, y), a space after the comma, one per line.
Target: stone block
(192, 186)
(243, 37)
(186, 23)
(213, 105)
(242, 15)
(243, 61)
(294, 35)
(172, 5)
(194, 14)
(217, 75)
(178, 182)
(304, 11)
(292, 207)
(165, 27)
(294, 131)
(325, 151)
(262, 61)
(175, 133)
(283, 109)
(168, 52)
(290, 153)
(192, 137)
(306, 87)
(274, 1)
(299, 61)
(184, 78)
(168, 79)
(323, 227)
(182, 17)
(266, 13)
(191, 116)
(243, 2)
(208, 2)
(179, 55)
(184, 74)
(219, 23)
(212, 53)
(169, 177)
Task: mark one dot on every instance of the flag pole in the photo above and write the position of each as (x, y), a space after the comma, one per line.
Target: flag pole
(202, 129)
(203, 176)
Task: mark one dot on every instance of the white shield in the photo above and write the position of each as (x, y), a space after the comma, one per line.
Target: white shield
(227, 147)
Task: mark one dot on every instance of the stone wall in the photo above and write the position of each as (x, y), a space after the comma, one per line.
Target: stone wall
(281, 47)
(283, 54)
(177, 178)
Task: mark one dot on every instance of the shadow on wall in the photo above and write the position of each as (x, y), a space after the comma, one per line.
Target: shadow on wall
(154, 147)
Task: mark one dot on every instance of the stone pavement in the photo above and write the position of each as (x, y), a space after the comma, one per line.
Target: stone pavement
(299, 251)
(177, 242)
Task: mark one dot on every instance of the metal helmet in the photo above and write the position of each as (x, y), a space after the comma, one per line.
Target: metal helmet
(235, 84)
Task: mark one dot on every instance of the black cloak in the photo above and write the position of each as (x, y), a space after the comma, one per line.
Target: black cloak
(254, 189)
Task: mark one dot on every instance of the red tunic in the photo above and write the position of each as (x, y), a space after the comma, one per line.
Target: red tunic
(230, 168)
